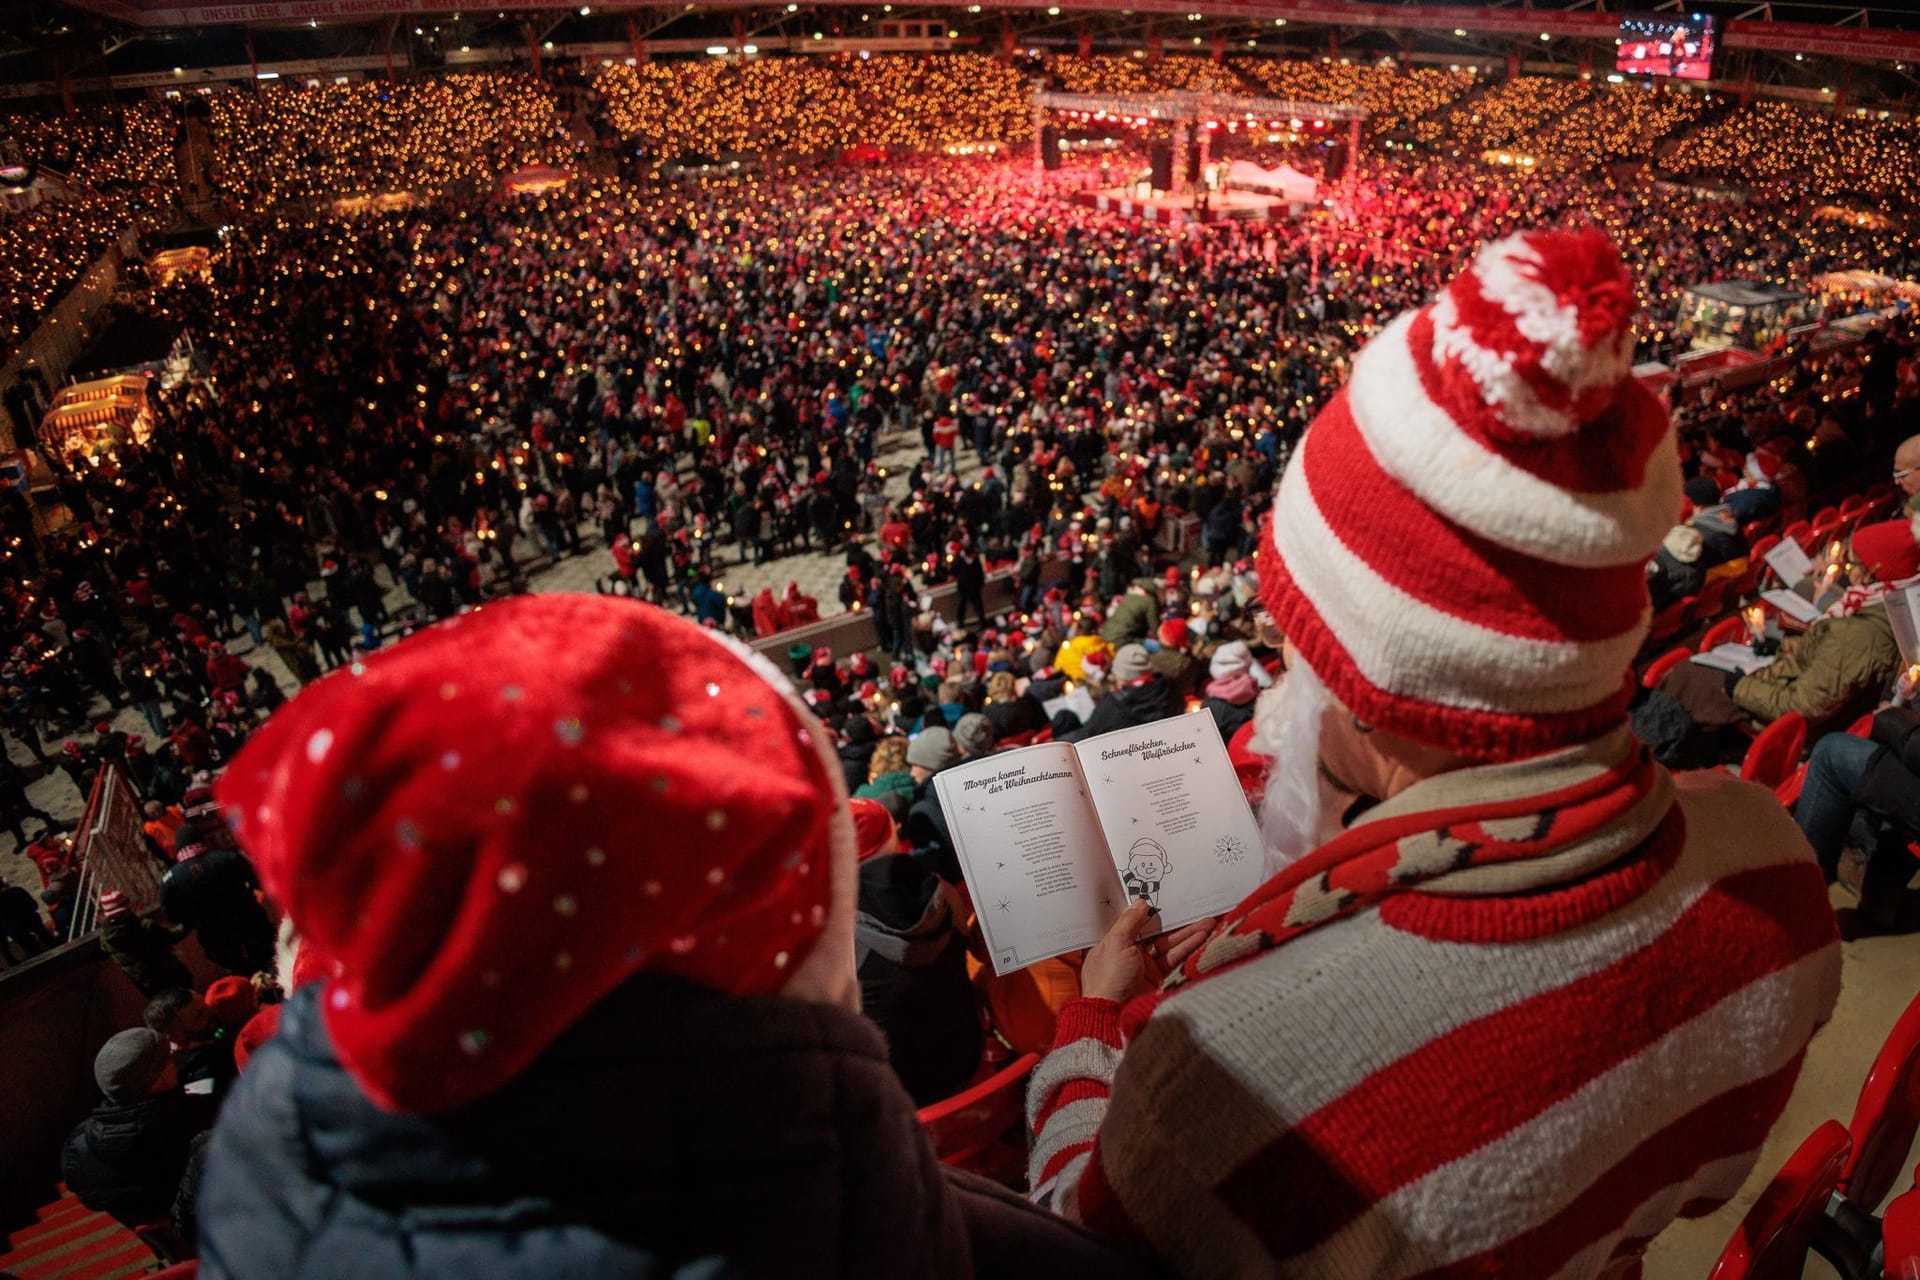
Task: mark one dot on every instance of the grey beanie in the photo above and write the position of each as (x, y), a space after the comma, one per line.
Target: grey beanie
(974, 734)
(129, 1063)
(1130, 664)
(932, 749)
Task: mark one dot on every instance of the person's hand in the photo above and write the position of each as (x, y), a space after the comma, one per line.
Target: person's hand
(1123, 964)
(1906, 686)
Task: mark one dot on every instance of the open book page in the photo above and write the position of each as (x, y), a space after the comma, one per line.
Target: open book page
(1175, 816)
(1792, 603)
(1903, 613)
(1789, 561)
(1733, 656)
(1030, 846)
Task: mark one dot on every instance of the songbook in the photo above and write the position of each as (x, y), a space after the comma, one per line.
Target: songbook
(1733, 656)
(1054, 840)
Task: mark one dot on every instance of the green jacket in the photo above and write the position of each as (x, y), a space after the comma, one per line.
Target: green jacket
(1134, 619)
(1837, 663)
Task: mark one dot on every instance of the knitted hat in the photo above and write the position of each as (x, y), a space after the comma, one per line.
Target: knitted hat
(1701, 491)
(1130, 664)
(129, 1063)
(499, 796)
(1234, 657)
(873, 829)
(259, 1029)
(974, 734)
(932, 749)
(1890, 549)
(1458, 547)
(114, 903)
(231, 1000)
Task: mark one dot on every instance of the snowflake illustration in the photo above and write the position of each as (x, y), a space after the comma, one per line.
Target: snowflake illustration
(1229, 849)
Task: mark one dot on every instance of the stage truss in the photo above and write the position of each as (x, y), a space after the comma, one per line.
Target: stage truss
(1181, 105)
(1192, 116)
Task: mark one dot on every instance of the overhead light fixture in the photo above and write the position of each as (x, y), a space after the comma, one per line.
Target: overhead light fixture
(717, 50)
(267, 75)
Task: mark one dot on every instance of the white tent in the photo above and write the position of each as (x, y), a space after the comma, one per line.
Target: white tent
(1288, 182)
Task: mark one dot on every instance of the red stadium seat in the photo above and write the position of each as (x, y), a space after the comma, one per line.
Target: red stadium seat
(1798, 532)
(1771, 1241)
(1661, 665)
(1668, 622)
(1711, 602)
(1764, 545)
(1855, 506)
(1826, 515)
(1013, 740)
(1754, 530)
(1900, 1236)
(179, 1271)
(1886, 1116)
(1725, 631)
(965, 1128)
(1776, 752)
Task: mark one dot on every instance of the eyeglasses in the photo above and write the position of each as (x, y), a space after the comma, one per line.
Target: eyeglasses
(1902, 473)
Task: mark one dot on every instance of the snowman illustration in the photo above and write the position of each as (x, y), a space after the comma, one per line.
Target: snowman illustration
(1147, 866)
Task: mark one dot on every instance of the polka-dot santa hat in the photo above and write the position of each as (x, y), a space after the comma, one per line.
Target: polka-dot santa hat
(487, 828)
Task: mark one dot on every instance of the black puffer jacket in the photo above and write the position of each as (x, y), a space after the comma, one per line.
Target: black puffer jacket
(672, 1132)
(913, 977)
(126, 1158)
(1152, 699)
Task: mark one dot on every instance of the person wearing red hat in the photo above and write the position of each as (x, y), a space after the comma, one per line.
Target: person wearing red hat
(1840, 666)
(591, 1004)
(1172, 660)
(912, 961)
(1631, 963)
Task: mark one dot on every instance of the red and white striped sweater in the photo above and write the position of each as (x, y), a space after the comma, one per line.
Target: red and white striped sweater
(1493, 1080)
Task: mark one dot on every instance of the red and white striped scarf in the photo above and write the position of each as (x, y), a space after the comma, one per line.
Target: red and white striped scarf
(1566, 814)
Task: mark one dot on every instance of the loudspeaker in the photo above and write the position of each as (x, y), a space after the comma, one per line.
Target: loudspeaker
(1337, 163)
(1049, 147)
(1193, 165)
(1160, 159)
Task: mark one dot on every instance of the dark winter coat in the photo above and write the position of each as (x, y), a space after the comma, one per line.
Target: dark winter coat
(1154, 698)
(126, 1159)
(144, 950)
(672, 1132)
(1891, 784)
(913, 977)
(213, 894)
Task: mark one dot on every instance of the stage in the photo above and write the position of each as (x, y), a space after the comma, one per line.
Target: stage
(1222, 206)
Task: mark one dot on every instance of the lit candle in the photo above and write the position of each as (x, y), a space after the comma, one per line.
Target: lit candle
(1757, 622)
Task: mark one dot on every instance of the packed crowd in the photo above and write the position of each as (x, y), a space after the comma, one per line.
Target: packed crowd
(1858, 154)
(287, 144)
(401, 416)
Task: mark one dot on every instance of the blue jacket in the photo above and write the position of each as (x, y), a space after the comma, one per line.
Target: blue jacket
(671, 1132)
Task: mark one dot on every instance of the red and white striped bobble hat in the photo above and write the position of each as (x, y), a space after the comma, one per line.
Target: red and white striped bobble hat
(1458, 547)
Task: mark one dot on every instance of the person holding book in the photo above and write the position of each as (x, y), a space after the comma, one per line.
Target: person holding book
(1452, 994)
(589, 1002)
(1845, 659)
(1136, 694)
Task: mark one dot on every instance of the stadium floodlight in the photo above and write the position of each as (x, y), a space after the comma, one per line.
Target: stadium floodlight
(1460, 31)
(749, 48)
(717, 50)
(1279, 22)
(1053, 11)
(267, 75)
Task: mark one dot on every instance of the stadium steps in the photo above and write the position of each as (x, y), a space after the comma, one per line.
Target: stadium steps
(68, 1241)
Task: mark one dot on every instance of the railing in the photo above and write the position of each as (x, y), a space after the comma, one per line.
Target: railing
(110, 847)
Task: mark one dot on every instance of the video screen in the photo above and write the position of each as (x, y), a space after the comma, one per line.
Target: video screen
(1666, 44)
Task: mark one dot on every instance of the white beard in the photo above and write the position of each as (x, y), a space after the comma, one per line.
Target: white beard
(1300, 810)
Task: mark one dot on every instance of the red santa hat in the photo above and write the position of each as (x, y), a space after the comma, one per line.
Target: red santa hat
(1458, 549)
(692, 822)
(1889, 549)
(1173, 633)
(872, 827)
